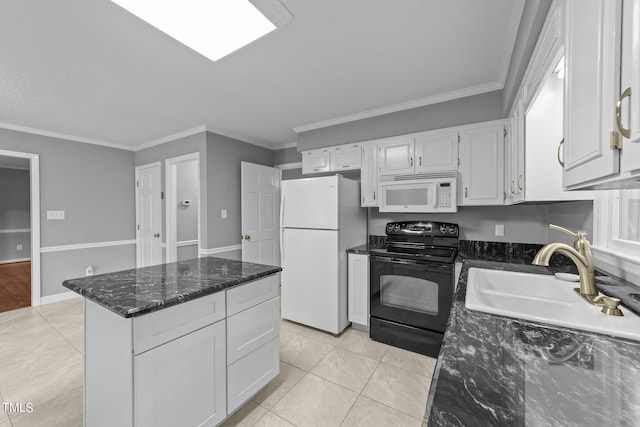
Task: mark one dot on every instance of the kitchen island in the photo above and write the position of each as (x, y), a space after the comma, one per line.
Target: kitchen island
(183, 343)
(499, 371)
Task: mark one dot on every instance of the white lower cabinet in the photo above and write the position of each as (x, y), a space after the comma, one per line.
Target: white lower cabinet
(358, 289)
(192, 364)
(182, 382)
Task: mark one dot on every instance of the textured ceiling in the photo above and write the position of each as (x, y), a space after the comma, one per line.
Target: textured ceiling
(90, 70)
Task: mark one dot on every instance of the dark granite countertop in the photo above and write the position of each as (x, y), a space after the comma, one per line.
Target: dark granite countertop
(142, 290)
(498, 371)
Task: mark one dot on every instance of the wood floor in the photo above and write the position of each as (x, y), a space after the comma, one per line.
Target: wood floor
(15, 285)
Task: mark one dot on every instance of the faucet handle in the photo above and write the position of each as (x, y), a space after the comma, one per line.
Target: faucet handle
(564, 230)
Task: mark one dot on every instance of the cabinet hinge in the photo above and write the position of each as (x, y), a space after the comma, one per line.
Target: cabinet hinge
(137, 183)
(458, 138)
(458, 162)
(615, 140)
(138, 227)
(504, 196)
(504, 132)
(162, 195)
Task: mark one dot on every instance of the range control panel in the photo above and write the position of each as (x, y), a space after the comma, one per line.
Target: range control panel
(421, 228)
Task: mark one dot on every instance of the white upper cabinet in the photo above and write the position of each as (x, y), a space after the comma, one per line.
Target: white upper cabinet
(533, 148)
(630, 88)
(331, 159)
(395, 156)
(316, 161)
(596, 154)
(436, 151)
(514, 178)
(369, 174)
(481, 170)
(345, 157)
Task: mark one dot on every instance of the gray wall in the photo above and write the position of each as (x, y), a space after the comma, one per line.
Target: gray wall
(287, 155)
(527, 223)
(223, 185)
(187, 189)
(462, 111)
(94, 186)
(14, 214)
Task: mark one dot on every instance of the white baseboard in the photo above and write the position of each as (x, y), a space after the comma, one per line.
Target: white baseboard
(63, 296)
(219, 250)
(9, 261)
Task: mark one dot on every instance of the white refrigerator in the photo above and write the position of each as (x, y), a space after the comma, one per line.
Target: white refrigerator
(320, 218)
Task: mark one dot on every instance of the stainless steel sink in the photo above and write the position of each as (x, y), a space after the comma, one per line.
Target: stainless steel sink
(543, 298)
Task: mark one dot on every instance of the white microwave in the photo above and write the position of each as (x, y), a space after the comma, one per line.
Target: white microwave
(419, 193)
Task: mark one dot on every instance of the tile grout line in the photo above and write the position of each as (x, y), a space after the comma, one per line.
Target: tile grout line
(60, 332)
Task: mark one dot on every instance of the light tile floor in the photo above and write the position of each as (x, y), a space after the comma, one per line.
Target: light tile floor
(324, 380)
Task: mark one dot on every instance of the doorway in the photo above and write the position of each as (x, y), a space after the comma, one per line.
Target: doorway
(148, 215)
(19, 230)
(182, 207)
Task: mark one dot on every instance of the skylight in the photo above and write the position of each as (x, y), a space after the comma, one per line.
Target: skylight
(213, 28)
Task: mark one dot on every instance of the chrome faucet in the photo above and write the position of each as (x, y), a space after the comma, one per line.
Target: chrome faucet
(580, 254)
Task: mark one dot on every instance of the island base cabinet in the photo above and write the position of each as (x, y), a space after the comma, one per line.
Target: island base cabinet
(182, 382)
(252, 372)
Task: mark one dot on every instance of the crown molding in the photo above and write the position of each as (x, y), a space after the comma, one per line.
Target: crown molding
(512, 35)
(172, 137)
(58, 135)
(285, 145)
(416, 103)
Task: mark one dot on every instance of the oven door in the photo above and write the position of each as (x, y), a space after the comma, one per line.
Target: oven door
(410, 292)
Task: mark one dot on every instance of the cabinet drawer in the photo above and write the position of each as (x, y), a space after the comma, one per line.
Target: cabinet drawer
(249, 374)
(151, 330)
(249, 294)
(252, 328)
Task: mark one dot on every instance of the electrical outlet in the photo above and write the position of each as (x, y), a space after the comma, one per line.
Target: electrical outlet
(223, 214)
(499, 230)
(88, 271)
(54, 215)
(19, 247)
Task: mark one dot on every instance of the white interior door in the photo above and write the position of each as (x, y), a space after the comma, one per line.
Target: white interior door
(148, 215)
(260, 213)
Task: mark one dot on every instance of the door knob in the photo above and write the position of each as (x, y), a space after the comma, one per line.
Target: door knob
(247, 237)
(156, 235)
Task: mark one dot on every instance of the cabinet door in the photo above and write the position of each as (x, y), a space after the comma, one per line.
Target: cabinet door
(395, 156)
(592, 46)
(369, 174)
(436, 151)
(481, 165)
(315, 161)
(358, 286)
(630, 78)
(345, 157)
(514, 144)
(183, 382)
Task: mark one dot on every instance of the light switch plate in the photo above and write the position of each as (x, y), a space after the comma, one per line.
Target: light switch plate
(499, 230)
(55, 214)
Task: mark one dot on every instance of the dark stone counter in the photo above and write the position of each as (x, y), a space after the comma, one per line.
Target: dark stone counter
(498, 371)
(142, 290)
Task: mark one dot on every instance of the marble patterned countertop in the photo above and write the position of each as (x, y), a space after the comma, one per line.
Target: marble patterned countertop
(142, 290)
(498, 371)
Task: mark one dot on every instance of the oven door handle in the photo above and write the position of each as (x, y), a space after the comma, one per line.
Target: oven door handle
(395, 260)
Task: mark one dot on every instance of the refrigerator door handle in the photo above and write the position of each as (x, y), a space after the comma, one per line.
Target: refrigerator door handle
(281, 247)
(282, 195)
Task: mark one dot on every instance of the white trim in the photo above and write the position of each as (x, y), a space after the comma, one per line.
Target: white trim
(34, 131)
(220, 250)
(287, 166)
(63, 296)
(186, 243)
(34, 177)
(285, 145)
(172, 137)
(620, 265)
(10, 261)
(15, 230)
(416, 103)
(86, 246)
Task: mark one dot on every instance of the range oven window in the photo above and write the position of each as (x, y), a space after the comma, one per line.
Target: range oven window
(412, 293)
